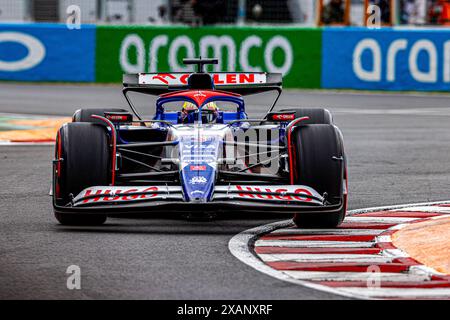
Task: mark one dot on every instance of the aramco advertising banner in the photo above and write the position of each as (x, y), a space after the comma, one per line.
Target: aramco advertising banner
(47, 52)
(386, 59)
(330, 58)
(294, 52)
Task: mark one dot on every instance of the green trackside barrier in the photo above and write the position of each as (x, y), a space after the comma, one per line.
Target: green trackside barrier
(296, 52)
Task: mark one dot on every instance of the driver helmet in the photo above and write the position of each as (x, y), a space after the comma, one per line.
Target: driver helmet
(209, 112)
(187, 112)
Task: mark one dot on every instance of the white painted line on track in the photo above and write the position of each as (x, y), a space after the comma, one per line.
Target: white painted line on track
(313, 244)
(356, 276)
(443, 216)
(356, 258)
(426, 209)
(395, 112)
(384, 239)
(379, 219)
(408, 293)
(425, 269)
(397, 253)
(394, 207)
(361, 232)
(398, 226)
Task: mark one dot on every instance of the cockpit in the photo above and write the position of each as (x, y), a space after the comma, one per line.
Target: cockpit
(203, 107)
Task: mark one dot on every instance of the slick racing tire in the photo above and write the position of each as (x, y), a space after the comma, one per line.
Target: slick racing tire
(319, 162)
(84, 115)
(316, 115)
(85, 161)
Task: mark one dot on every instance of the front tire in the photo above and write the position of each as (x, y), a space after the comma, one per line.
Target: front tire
(85, 161)
(319, 162)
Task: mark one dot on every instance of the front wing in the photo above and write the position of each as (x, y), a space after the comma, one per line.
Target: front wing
(236, 198)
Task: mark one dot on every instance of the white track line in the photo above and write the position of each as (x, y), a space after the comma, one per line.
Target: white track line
(379, 219)
(384, 239)
(357, 276)
(332, 258)
(394, 207)
(406, 112)
(360, 232)
(397, 253)
(424, 270)
(408, 293)
(426, 209)
(313, 244)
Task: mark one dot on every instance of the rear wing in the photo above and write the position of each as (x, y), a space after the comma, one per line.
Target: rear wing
(243, 83)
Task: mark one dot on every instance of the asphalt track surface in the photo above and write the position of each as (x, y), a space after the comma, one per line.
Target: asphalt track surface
(398, 150)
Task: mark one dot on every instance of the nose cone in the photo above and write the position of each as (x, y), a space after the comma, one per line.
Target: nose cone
(199, 148)
(198, 182)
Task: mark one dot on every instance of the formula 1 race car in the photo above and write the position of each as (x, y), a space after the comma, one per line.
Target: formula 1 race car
(200, 153)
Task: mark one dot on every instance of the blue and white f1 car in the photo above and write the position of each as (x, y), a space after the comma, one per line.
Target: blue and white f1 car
(200, 153)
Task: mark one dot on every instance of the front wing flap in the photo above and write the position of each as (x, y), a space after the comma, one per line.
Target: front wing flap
(146, 199)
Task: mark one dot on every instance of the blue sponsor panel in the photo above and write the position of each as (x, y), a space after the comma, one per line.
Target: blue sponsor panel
(386, 59)
(47, 52)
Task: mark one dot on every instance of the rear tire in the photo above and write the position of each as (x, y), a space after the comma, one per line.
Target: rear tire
(84, 148)
(319, 162)
(316, 115)
(84, 115)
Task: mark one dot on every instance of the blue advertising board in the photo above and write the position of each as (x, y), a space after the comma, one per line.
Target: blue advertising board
(47, 52)
(386, 59)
